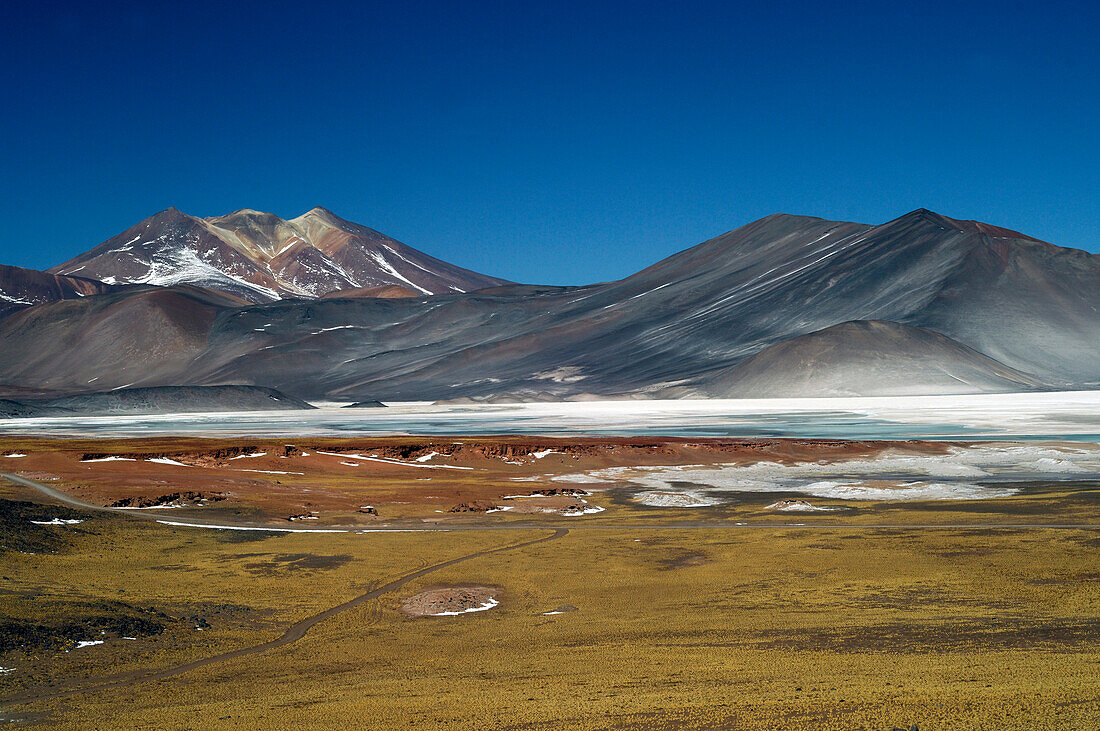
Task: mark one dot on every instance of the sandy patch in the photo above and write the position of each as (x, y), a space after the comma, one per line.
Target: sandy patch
(451, 601)
(552, 503)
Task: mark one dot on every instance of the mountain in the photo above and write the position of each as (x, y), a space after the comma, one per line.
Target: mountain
(868, 358)
(998, 308)
(115, 340)
(159, 400)
(21, 288)
(262, 258)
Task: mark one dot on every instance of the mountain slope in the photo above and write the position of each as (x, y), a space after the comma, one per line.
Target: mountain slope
(137, 334)
(261, 257)
(21, 288)
(674, 329)
(159, 400)
(867, 358)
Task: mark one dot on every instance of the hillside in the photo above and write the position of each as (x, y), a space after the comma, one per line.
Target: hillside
(261, 257)
(1010, 309)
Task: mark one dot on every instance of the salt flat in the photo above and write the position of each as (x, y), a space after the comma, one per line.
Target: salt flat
(1065, 415)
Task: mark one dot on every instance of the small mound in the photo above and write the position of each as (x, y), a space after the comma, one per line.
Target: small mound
(667, 499)
(797, 506)
(868, 358)
(450, 601)
(560, 610)
(563, 502)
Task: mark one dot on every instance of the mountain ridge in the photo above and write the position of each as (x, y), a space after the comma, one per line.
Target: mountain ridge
(262, 257)
(21, 288)
(886, 358)
(675, 328)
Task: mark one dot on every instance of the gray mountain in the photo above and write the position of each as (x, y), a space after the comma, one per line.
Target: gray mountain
(260, 257)
(157, 400)
(1010, 308)
(868, 358)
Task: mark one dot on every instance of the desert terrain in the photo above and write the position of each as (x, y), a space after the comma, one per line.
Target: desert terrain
(522, 582)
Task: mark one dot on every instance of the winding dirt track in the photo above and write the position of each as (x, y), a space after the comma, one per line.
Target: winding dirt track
(293, 633)
(817, 524)
(298, 630)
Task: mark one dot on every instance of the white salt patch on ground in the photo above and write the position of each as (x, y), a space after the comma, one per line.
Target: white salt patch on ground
(586, 479)
(239, 527)
(679, 499)
(383, 460)
(402, 530)
(427, 457)
(904, 492)
(543, 453)
(57, 521)
(166, 460)
(15, 455)
(1051, 413)
(500, 509)
(574, 513)
(166, 506)
(1056, 466)
(892, 475)
(489, 604)
(88, 643)
(5, 671)
(1055, 415)
(797, 506)
(110, 459)
(250, 456)
(272, 472)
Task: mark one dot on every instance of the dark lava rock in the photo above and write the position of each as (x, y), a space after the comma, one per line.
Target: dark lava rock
(169, 499)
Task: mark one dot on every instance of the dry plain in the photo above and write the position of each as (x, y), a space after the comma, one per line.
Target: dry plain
(606, 612)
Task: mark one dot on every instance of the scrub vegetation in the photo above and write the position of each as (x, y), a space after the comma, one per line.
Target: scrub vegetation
(630, 619)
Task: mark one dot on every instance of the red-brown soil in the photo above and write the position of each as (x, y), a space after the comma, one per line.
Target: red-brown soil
(399, 477)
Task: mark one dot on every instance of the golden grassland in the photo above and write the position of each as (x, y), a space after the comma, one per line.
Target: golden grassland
(674, 618)
(673, 627)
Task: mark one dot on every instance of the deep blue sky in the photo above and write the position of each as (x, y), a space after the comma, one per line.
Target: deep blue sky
(561, 143)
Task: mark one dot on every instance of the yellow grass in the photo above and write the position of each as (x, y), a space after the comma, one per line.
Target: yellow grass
(674, 627)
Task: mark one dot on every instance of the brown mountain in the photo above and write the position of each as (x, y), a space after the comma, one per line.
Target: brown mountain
(389, 291)
(262, 258)
(21, 288)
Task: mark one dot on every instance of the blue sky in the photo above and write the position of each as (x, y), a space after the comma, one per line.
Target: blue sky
(565, 142)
